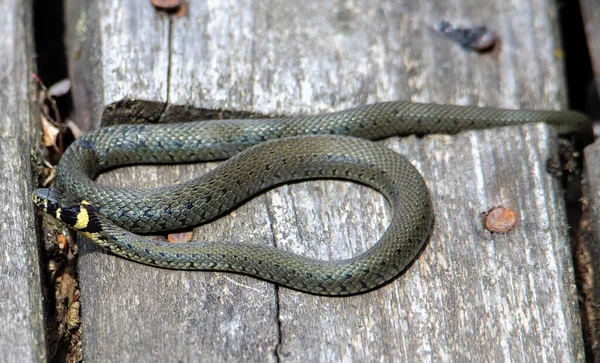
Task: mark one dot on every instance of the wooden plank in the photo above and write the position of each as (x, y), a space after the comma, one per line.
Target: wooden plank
(471, 295)
(22, 336)
(588, 249)
(239, 315)
(590, 12)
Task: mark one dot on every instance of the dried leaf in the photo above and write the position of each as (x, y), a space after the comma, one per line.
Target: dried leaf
(50, 177)
(49, 133)
(60, 88)
(179, 237)
(61, 240)
(73, 318)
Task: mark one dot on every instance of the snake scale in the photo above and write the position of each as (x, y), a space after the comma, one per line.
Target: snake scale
(262, 153)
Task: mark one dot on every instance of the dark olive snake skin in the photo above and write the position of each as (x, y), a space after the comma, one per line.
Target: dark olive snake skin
(287, 149)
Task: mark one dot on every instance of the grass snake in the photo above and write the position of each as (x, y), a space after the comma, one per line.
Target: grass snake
(262, 153)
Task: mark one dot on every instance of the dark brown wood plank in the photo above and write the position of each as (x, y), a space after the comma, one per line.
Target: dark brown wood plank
(471, 295)
(22, 336)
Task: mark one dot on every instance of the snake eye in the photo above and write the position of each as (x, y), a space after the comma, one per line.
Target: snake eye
(52, 206)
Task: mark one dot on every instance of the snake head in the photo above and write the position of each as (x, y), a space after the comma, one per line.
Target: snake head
(55, 203)
(49, 200)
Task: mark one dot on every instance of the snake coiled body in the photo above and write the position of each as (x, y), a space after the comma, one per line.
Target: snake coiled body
(261, 154)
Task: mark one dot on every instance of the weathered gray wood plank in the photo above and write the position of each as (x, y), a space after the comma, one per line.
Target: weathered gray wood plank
(588, 248)
(22, 335)
(470, 295)
(590, 12)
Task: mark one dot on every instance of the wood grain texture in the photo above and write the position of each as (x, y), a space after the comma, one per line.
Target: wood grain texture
(588, 248)
(590, 12)
(22, 334)
(471, 295)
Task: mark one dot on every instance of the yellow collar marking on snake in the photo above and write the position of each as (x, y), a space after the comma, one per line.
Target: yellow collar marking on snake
(82, 218)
